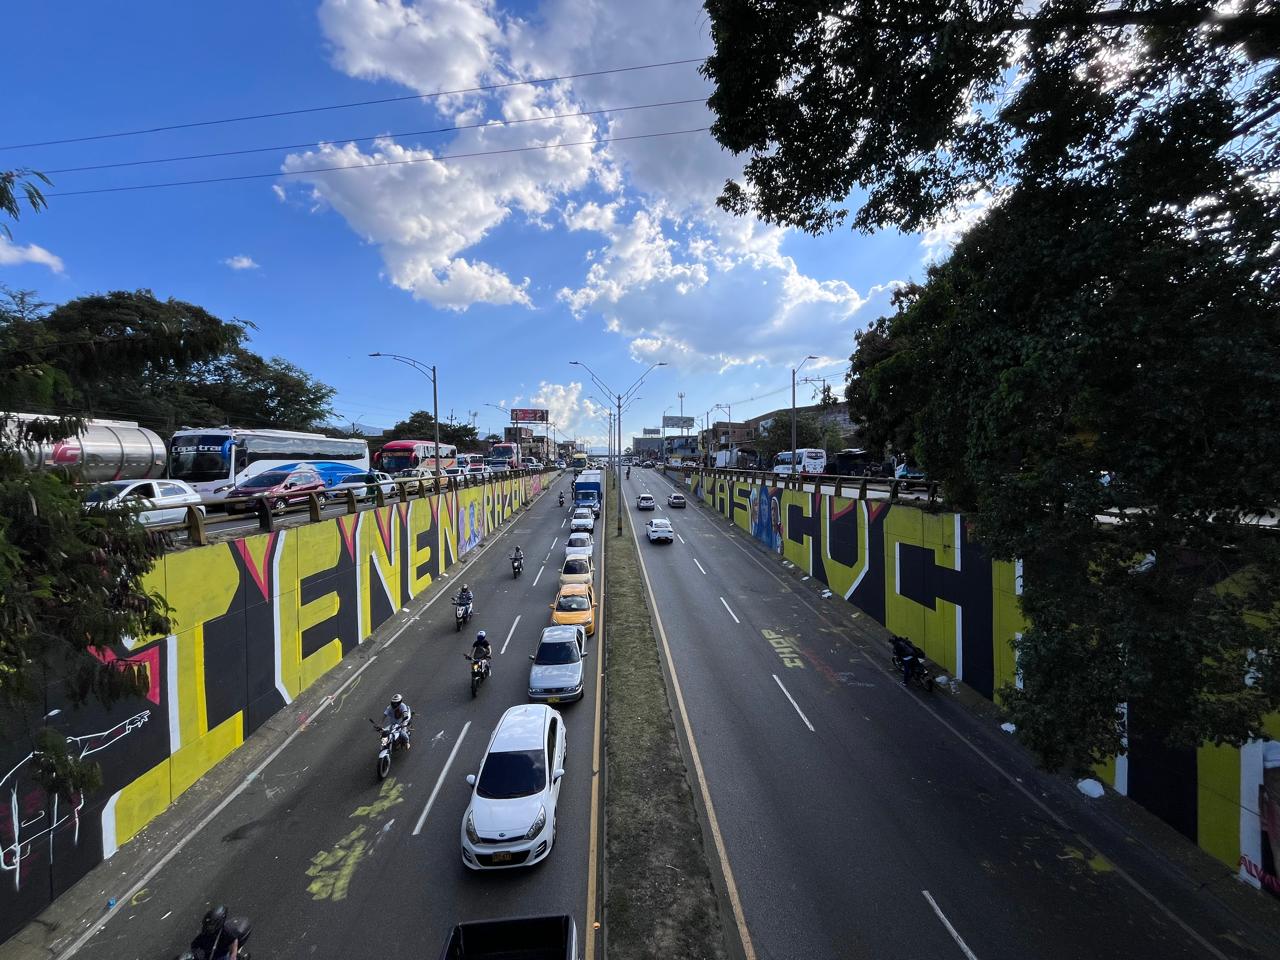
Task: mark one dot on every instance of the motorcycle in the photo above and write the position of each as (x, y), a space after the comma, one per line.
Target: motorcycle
(461, 613)
(217, 939)
(479, 671)
(517, 566)
(562, 498)
(921, 674)
(393, 737)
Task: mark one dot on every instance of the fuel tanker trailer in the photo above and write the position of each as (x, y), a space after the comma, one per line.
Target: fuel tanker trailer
(105, 450)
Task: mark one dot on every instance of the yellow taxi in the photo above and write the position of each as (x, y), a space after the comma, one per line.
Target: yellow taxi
(575, 606)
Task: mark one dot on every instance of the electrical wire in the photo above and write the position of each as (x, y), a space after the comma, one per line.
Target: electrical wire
(357, 103)
(379, 136)
(382, 163)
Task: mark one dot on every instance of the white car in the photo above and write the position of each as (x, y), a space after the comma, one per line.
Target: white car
(366, 485)
(676, 500)
(557, 674)
(646, 502)
(658, 530)
(578, 569)
(156, 501)
(579, 544)
(511, 819)
(583, 519)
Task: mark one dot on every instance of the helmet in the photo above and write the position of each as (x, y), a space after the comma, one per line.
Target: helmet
(396, 698)
(465, 587)
(214, 919)
(480, 635)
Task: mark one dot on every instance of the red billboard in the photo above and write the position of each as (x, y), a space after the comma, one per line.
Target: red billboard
(528, 415)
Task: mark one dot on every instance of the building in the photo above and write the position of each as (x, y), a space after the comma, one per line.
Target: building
(835, 416)
(646, 446)
(684, 447)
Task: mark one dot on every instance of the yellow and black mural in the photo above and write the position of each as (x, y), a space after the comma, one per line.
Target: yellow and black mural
(255, 622)
(923, 576)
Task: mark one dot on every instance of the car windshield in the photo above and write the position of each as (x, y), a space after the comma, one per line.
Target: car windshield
(576, 566)
(573, 603)
(102, 493)
(269, 479)
(512, 773)
(557, 652)
(200, 458)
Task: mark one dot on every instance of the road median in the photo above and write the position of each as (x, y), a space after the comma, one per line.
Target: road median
(660, 900)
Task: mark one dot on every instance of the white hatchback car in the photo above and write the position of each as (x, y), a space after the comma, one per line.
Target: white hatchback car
(579, 544)
(583, 519)
(511, 819)
(155, 501)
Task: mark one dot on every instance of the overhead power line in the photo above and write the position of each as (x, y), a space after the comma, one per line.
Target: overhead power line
(357, 103)
(381, 163)
(379, 136)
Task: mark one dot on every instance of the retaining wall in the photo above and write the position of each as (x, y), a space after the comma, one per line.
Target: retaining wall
(256, 621)
(921, 575)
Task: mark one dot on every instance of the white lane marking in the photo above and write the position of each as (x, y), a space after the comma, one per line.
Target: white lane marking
(547, 557)
(509, 633)
(680, 538)
(704, 573)
(556, 540)
(443, 773)
(731, 613)
(539, 576)
(969, 954)
(793, 702)
(562, 523)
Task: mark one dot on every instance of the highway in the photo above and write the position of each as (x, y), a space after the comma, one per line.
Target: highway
(860, 818)
(329, 863)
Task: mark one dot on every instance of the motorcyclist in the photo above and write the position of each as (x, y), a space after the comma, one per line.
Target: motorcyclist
(518, 554)
(628, 473)
(398, 712)
(905, 651)
(209, 943)
(480, 650)
(562, 498)
(465, 598)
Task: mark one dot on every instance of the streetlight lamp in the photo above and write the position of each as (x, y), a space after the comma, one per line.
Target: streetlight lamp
(429, 373)
(794, 371)
(619, 400)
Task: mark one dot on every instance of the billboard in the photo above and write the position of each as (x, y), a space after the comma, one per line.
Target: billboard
(680, 423)
(528, 415)
(651, 432)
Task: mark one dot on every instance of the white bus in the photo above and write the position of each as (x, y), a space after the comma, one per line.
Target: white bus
(215, 459)
(809, 461)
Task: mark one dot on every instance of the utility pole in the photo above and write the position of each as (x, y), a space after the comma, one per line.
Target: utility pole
(794, 371)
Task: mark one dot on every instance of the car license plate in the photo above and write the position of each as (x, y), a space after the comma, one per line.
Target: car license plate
(553, 699)
(501, 857)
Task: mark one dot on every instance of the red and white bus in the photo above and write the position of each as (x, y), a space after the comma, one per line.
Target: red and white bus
(398, 455)
(504, 456)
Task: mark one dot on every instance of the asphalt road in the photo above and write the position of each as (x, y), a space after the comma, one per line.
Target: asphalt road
(323, 858)
(854, 822)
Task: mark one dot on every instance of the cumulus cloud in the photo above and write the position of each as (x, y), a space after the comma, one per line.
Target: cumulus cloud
(574, 414)
(938, 241)
(241, 262)
(12, 254)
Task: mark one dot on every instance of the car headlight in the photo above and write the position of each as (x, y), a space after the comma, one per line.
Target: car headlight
(471, 828)
(539, 822)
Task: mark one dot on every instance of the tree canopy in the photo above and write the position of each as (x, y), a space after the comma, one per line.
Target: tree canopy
(1103, 342)
(420, 425)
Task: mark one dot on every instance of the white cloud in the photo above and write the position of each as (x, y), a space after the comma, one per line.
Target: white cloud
(241, 262)
(938, 241)
(11, 255)
(574, 414)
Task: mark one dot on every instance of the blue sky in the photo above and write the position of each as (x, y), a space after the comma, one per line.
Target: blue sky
(499, 269)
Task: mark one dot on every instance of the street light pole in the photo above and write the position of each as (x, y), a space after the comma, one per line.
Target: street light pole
(429, 372)
(794, 371)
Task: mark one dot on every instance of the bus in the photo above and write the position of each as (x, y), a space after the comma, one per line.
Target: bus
(398, 455)
(471, 463)
(504, 456)
(215, 459)
(809, 460)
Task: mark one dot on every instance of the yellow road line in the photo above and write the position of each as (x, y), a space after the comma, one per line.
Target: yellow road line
(735, 901)
(595, 770)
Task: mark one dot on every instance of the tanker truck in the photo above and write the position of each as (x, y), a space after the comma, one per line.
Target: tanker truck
(106, 450)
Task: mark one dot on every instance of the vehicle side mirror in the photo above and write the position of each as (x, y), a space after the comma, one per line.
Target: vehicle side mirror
(551, 605)
(558, 773)
(471, 779)
(532, 657)
(582, 655)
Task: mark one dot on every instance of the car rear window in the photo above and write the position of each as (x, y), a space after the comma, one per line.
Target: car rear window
(575, 566)
(512, 773)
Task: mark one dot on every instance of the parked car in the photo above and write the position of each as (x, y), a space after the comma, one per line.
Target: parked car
(281, 488)
(366, 485)
(557, 672)
(575, 605)
(677, 500)
(646, 502)
(658, 530)
(584, 518)
(156, 501)
(579, 544)
(578, 569)
(510, 820)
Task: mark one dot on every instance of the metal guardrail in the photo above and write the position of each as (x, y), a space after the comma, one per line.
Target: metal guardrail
(407, 488)
(861, 486)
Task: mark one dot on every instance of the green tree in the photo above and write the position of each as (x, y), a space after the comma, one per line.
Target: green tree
(420, 425)
(769, 443)
(1114, 315)
(16, 186)
(71, 581)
